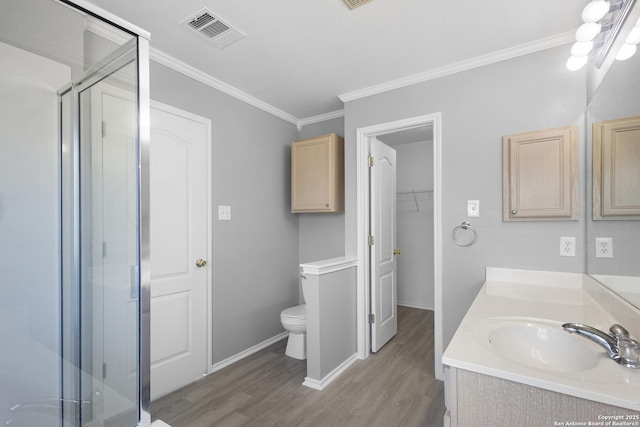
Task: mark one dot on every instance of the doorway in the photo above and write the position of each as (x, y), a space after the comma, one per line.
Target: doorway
(414, 215)
(364, 136)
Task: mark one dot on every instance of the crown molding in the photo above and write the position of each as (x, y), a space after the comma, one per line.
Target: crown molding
(320, 118)
(204, 78)
(480, 61)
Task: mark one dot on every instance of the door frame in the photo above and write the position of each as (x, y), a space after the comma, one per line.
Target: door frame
(363, 137)
(209, 177)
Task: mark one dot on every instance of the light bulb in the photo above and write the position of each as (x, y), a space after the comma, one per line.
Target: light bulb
(588, 31)
(576, 62)
(626, 52)
(581, 48)
(595, 11)
(634, 35)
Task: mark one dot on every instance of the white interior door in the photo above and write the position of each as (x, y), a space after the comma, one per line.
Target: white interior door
(384, 324)
(179, 237)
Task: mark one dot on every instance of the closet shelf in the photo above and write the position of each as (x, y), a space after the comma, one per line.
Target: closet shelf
(413, 193)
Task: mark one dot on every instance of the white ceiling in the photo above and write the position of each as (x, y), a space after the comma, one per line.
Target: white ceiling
(300, 56)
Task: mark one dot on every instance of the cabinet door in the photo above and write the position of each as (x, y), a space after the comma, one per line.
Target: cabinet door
(540, 175)
(317, 174)
(616, 169)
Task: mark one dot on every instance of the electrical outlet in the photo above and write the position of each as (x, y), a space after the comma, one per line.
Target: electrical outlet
(604, 247)
(224, 213)
(567, 246)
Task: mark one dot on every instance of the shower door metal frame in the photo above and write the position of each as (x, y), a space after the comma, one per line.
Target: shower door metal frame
(141, 39)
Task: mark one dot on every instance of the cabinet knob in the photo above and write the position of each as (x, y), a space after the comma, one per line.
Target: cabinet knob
(326, 204)
(514, 211)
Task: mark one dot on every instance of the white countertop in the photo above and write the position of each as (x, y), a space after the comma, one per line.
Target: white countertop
(550, 297)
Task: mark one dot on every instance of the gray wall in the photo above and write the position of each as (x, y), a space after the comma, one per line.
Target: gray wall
(255, 255)
(478, 107)
(321, 235)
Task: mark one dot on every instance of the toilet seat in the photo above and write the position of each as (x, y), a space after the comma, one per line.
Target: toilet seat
(294, 316)
(299, 312)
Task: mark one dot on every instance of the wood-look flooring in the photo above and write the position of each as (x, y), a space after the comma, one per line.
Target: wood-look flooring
(394, 387)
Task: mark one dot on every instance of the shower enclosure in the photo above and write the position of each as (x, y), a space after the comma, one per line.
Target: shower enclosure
(74, 311)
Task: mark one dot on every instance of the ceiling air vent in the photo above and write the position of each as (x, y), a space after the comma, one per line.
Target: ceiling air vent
(355, 3)
(213, 28)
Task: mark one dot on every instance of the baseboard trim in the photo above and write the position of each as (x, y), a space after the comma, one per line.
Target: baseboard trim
(248, 352)
(321, 384)
(411, 305)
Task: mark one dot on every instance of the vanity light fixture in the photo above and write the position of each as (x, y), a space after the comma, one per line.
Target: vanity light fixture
(595, 11)
(630, 45)
(603, 20)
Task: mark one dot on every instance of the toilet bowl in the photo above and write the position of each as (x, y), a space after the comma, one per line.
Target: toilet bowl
(294, 320)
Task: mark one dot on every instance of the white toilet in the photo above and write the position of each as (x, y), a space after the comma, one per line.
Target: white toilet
(294, 320)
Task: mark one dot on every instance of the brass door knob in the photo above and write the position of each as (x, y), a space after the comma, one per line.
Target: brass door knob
(397, 252)
(201, 263)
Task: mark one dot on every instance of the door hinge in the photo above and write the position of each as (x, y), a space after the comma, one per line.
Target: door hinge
(372, 318)
(104, 370)
(370, 161)
(104, 129)
(371, 240)
(104, 249)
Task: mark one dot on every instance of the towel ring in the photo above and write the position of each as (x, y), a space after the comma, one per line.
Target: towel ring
(465, 226)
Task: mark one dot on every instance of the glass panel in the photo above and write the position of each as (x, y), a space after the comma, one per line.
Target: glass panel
(53, 298)
(29, 237)
(109, 244)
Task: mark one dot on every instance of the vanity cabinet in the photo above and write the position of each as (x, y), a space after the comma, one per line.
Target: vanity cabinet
(616, 170)
(540, 175)
(317, 174)
(474, 399)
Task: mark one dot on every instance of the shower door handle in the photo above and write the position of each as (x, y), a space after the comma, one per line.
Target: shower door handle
(200, 263)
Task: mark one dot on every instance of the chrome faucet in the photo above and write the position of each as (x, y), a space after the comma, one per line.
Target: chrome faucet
(617, 344)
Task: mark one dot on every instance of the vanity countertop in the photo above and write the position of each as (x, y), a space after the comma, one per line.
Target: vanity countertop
(553, 299)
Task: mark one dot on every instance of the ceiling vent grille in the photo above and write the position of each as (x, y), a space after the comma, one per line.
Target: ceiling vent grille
(212, 28)
(355, 3)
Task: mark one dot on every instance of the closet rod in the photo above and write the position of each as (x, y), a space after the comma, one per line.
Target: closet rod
(413, 193)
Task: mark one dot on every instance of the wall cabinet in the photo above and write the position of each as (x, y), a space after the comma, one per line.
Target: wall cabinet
(317, 174)
(616, 169)
(540, 175)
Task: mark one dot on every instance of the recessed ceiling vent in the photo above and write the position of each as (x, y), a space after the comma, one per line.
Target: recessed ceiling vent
(355, 3)
(213, 28)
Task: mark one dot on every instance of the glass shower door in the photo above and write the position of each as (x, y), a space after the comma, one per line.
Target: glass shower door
(101, 259)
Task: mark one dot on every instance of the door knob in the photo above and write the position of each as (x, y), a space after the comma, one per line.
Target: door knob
(201, 263)
(397, 252)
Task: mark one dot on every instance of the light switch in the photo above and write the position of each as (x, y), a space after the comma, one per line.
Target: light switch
(224, 213)
(473, 208)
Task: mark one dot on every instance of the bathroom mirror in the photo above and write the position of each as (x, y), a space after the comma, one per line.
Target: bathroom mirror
(617, 97)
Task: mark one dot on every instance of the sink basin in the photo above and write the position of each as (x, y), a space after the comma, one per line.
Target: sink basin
(537, 344)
